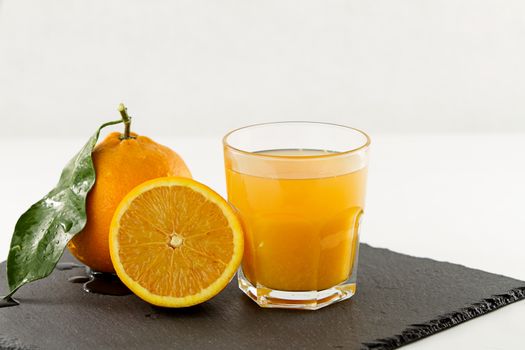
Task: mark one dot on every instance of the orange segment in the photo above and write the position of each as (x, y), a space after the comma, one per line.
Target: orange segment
(175, 242)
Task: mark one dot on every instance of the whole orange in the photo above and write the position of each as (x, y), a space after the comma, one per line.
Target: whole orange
(120, 165)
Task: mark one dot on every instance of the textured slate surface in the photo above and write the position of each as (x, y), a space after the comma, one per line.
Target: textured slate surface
(400, 299)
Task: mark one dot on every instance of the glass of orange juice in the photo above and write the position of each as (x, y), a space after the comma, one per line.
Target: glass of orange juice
(299, 190)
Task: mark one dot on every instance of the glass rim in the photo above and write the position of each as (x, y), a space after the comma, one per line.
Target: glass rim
(272, 156)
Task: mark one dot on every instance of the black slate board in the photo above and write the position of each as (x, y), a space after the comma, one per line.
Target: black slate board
(400, 299)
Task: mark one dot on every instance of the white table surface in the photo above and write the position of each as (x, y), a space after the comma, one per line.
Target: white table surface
(451, 197)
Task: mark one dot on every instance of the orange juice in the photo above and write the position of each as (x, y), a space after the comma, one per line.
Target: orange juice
(300, 233)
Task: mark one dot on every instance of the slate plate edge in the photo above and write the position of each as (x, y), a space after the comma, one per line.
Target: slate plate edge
(419, 331)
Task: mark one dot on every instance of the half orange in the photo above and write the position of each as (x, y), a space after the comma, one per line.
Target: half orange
(175, 242)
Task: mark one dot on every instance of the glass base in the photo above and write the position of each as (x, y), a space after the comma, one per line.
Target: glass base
(307, 300)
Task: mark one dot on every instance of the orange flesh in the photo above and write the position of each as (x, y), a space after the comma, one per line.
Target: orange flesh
(174, 242)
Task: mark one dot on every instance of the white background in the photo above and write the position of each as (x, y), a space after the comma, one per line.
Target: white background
(440, 86)
(200, 67)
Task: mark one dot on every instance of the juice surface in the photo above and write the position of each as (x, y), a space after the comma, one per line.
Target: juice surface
(300, 233)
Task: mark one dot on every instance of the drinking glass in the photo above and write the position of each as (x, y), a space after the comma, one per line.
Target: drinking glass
(299, 191)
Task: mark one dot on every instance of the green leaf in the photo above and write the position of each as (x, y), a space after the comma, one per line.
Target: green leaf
(43, 231)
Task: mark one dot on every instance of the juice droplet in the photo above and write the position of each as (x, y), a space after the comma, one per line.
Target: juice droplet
(79, 279)
(96, 282)
(105, 283)
(64, 266)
